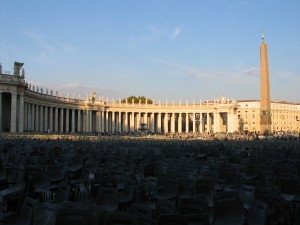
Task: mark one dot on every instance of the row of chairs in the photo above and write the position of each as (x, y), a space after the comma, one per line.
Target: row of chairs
(150, 182)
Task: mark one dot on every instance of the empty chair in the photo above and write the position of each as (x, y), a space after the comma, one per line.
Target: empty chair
(27, 212)
(164, 207)
(231, 182)
(171, 219)
(257, 213)
(193, 206)
(77, 182)
(72, 216)
(169, 190)
(107, 199)
(150, 184)
(150, 170)
(228, 209)
(197, 219)
(290, 191)
(126, 195)
(185, 188)
(247, 194)
(120, 218)
(108, 182)
(144, 212)
(40, 181)
(140, 196)
(205, 187)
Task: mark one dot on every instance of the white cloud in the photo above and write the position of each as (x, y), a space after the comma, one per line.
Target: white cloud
(39, 40)
(75, 88)
(151, 35)
(251, 71)
(176, 32)
(48, 50)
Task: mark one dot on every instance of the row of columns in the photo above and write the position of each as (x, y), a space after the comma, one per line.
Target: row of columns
(40, 118)
(164, 122)
(35, 117)
(11, 112)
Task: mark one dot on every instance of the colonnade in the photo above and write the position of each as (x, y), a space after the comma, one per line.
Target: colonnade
(47, 118)
(18, 115)
(26, 110)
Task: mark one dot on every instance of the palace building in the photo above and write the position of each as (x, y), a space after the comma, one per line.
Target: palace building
(25, 108)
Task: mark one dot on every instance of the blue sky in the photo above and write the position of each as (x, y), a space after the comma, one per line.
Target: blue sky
(162, 49)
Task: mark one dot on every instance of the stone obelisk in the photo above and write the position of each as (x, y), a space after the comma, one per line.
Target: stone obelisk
(265, 103)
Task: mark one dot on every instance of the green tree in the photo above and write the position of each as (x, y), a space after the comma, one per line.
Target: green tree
(133, 99)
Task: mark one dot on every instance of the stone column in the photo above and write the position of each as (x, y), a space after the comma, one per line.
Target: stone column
(87, 121)
(91, 120)
(56, 120)
(131, 121)
(208, 122)
(215, 123)
(13, 113)
(46, 119)
(32, 117)
(152, 121)
(61, 120)
(138, 120)
(98, 121)
(166, 129)
(218, 122)
(126, 122)
(21, 113)
(84, 120)
(26, 122)
(37, 115)
(180, 123)
(25, 116)
(41, 127)
(158, 123)
(145, 119)
(67, 121)
(113, 122)
(79, 122)
(51, 118)
(194, 122)
(201, 123)
(173, 123)
(187, 123)
(106, 121)
(73, 121)
(102, 120)
(119, 121)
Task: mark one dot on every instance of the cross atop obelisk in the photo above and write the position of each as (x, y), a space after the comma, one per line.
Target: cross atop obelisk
(265, 103)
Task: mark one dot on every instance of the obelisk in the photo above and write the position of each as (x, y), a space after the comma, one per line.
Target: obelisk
(265, 104)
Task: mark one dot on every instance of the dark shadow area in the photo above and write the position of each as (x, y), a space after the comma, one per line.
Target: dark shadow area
(99, 180)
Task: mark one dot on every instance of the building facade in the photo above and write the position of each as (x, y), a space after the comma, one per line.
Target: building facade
(25, 108)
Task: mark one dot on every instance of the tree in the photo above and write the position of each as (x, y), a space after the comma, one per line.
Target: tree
(133, 99)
